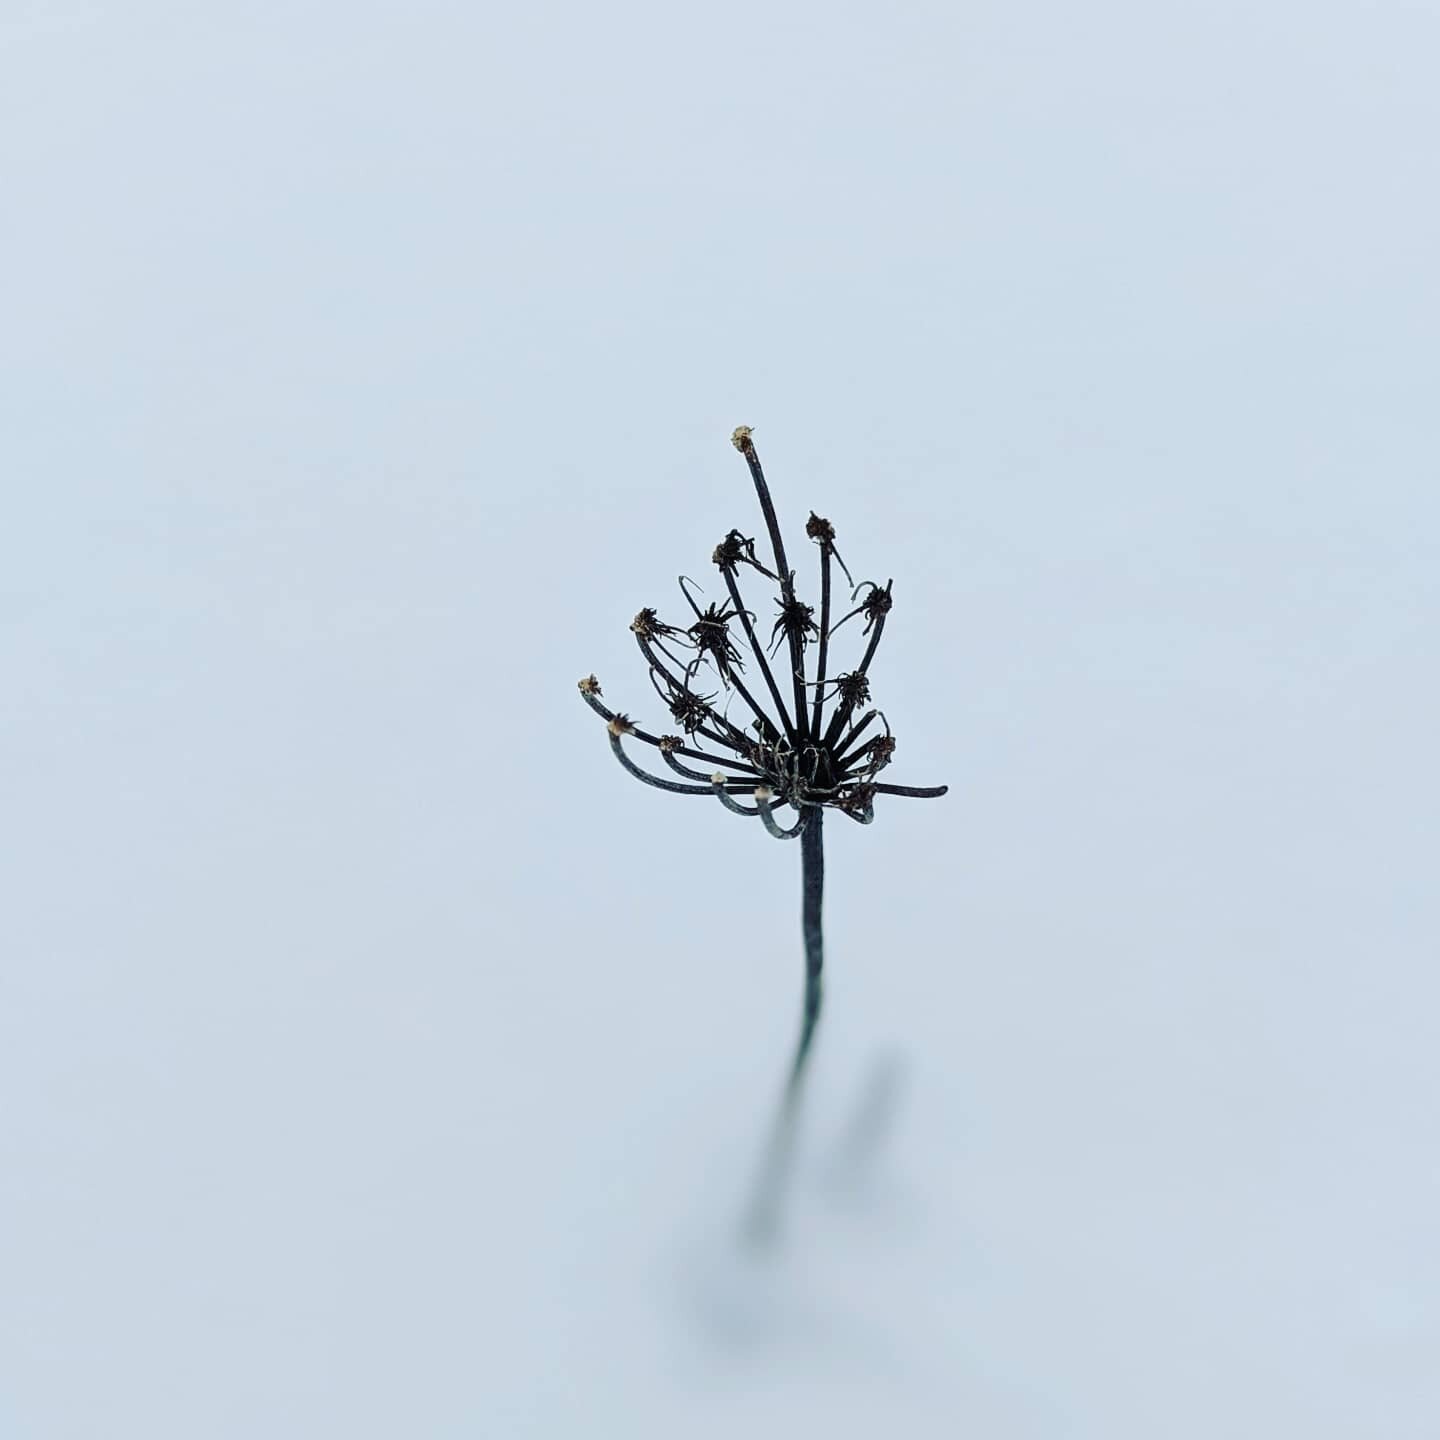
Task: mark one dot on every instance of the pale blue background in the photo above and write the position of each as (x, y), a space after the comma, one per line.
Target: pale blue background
(376, 1059)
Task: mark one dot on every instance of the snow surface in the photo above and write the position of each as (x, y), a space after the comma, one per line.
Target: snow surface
(377, 1059)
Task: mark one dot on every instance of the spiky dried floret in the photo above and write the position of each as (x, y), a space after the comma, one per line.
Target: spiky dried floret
(690, 710)
(877, 604)
(711, 636)
(649, 626)
(736, 550)
(818, 528)
(797, 622)
(881, 752)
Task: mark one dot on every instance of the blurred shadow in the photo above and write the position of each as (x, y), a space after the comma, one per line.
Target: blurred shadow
(848, 1175)
(851, 1170)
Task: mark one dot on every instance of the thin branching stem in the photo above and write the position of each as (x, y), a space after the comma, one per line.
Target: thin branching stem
(726, 668)
(668, 757)
(843, 756)
(646, 738)
(842, 710)
(732, 804)
(682, 686)
(797, 661)
(660, 784)
(746, 447)
(767, 817)
(823, 650)
(749, 628)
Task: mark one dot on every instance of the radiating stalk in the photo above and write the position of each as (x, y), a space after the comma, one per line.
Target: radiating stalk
(822, 655)
(746, 446)
(792, 731)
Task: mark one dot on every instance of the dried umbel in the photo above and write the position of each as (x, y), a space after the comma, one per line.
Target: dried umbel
(807, 747)
(797, 745)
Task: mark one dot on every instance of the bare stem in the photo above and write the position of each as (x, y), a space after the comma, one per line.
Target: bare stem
(746, 446)
(762, 1223)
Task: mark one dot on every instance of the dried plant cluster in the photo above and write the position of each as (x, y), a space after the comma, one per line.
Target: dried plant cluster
(805, 749)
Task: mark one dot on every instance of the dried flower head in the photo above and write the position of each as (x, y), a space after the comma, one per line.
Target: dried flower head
(797, 739)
